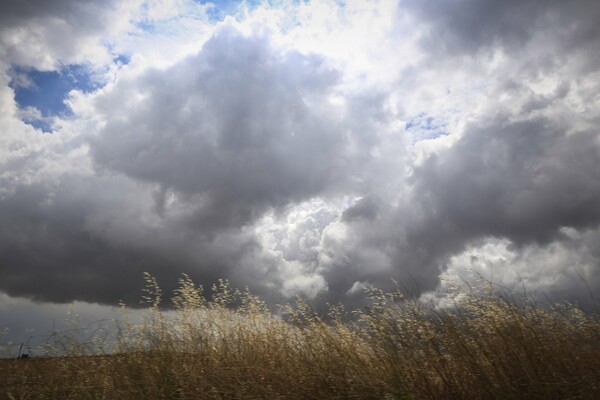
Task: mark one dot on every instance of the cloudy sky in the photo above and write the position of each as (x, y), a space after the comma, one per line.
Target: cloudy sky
(296, 147)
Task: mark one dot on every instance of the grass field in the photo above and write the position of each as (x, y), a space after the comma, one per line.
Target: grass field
(487, 346)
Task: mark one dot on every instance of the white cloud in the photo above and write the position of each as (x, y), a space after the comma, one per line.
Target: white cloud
(542, 273)
(303, 147)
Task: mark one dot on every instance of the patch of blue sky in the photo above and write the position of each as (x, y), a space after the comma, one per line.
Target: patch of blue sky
(168, 26)
(147, 26)
(223, 8)
(425, 126)
(118, 57)
(122, 59)
(46, 91)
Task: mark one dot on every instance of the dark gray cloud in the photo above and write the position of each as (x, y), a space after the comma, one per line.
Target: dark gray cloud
(48, 253)
(522, 180)
(81, 239)
(189, 159)
(473, 25)
(266, 166)
(237, 129)
(76, 12)
(43, 34)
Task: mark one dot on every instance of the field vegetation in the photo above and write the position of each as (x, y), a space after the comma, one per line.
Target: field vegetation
(485, 346)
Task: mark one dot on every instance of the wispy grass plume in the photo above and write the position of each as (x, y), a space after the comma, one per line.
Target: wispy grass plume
(230, 345)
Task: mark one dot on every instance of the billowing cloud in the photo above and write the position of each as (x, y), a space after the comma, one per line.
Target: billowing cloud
(237, 128)
(42, 34)
(523, 180)
(474, 25)
(263, 153)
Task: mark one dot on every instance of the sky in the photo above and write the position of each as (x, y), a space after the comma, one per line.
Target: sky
(299, 148)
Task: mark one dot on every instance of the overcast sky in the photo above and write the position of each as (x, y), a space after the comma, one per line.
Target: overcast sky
(298, 148)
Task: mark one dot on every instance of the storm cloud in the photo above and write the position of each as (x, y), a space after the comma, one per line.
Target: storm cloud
(237, 129)
(42, 34)
(480, 25)
(265, 157)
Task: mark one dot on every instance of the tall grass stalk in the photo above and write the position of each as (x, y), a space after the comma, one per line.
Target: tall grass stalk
(232, 346)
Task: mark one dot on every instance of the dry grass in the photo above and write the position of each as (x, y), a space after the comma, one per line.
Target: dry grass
(233, 347)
